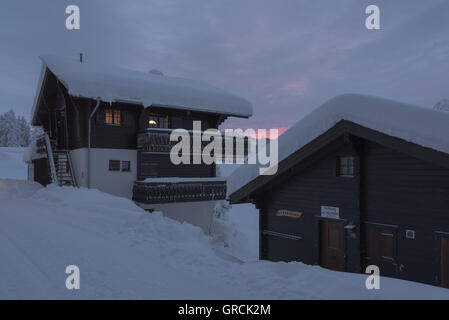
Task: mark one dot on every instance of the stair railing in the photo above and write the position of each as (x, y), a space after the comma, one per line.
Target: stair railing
(50, 158)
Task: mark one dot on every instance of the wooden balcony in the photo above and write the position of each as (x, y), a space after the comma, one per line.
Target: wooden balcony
(158, 140)
(165, 190)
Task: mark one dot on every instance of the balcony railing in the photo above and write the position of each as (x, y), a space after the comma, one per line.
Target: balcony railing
(158, 140)
(155, 140)
(190, 189)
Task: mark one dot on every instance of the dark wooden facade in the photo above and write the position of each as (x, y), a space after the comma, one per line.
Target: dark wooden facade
(393, 213)
(119, 125)
(66, 120)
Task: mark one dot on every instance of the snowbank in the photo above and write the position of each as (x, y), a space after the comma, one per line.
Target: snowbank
(124, 252)
(11, 164)
(423, 126)
(111, 84)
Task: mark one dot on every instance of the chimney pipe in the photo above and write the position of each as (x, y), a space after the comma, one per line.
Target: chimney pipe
(81, 58)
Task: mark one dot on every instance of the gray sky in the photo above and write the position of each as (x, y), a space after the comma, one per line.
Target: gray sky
(286, 57)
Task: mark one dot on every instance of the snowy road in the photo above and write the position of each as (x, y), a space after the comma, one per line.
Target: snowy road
(123, 252)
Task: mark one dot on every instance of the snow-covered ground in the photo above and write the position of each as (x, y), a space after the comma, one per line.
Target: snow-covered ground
(124, 252)
(11, 164)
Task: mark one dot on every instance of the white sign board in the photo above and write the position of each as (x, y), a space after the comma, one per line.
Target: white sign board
(330, 212)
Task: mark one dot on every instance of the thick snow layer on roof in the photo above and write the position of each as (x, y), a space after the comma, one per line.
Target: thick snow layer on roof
(111, 83)
(423, 126)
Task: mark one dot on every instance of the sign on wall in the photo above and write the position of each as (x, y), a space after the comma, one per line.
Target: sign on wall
(330, 212)
(288, 213)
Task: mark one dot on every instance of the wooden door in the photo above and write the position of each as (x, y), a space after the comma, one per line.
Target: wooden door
(381, 249)
(332, 252)
(444, 262)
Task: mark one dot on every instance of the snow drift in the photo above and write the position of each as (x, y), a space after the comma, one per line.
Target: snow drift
(125, 252)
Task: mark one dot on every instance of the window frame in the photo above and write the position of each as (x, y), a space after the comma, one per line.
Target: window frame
(112, 167)
(111, 115)
(346, 166)
(157, 117)
(129, 166)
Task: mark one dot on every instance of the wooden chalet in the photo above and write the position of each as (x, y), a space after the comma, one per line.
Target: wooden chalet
(361, 181)
(108, 128)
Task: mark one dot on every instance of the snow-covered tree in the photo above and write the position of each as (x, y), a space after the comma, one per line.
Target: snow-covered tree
(14, 131)
(36, 131)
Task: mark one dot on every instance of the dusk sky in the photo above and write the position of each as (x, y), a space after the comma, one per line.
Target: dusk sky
(286, 57)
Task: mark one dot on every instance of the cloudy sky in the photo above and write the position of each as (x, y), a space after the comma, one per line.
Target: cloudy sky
(285, 56)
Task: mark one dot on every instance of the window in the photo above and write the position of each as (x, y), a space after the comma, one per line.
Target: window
(126, 165)
(149, 169)
(112, 117)
(345, 167)
(157, 121)
(114, 165)
(116, 116)
(334, 238)
(108, 119)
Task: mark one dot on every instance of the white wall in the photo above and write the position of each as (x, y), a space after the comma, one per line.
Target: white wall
(119, 183)
(79, 162)
(115, 182)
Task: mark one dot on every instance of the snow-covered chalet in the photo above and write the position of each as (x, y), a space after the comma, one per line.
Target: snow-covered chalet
(361, 181)
(109, 128)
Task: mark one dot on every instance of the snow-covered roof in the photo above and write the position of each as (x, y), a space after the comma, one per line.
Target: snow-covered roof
(110, 83)
(423, 126)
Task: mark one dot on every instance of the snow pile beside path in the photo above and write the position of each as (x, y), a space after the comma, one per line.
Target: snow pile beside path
(17, 189)
(11, 164)
(125, 252)
(238, 229)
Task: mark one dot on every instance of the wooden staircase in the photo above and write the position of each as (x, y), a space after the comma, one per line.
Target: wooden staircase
(64, 172)
(59, 163)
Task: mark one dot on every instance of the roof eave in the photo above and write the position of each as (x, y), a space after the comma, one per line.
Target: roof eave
(36, 101)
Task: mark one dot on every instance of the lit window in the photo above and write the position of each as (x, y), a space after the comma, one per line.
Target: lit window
(108, 119)
(157, 121)
(345, 167)
(114, 165)
(126, 165)
(112, 117)
(116, 116)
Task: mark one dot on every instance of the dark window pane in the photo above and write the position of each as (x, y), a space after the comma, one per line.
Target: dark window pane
(114, 165)
(345, 167)
(126, 165)
(334, 238)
